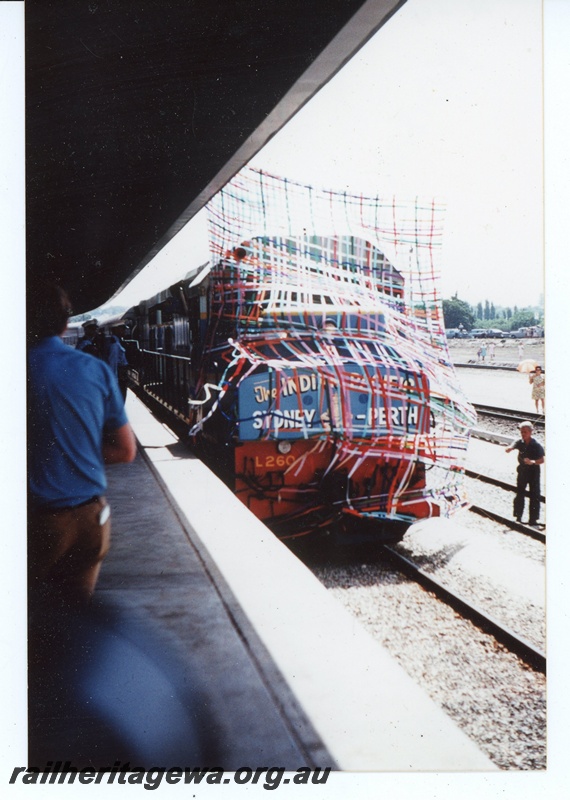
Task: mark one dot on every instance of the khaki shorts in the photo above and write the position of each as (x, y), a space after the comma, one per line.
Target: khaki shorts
(66, 548)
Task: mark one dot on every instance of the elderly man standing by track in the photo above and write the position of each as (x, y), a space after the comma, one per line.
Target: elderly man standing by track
(76, 425)
(531, 456)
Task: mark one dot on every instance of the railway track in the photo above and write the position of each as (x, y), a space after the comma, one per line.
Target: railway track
(509, 415)
(508, 487)
(530, 654)
(534, 533)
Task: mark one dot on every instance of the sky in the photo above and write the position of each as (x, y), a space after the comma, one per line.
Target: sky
(445, 101)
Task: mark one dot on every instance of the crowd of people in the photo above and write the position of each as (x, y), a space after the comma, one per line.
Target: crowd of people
(108, 347)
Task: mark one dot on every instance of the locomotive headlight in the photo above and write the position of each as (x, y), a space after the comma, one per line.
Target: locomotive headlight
(284, 447)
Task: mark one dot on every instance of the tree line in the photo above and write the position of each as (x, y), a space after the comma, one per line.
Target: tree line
(458, 313)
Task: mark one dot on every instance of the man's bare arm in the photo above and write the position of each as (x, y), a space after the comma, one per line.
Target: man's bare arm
(119, 446)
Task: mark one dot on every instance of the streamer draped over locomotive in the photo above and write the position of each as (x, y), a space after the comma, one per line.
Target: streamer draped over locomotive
(305, 388)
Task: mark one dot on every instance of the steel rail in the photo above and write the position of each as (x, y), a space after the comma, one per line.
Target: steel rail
(539, 535)
(509, 414)
(530, 654)
(508, 487)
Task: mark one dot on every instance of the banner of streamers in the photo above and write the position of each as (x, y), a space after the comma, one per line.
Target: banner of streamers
(328, 304)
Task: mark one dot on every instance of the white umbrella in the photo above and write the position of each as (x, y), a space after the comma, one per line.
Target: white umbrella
(528, 365)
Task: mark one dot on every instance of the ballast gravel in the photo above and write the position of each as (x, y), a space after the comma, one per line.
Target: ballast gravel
(497, 699)
(500, 571)
(493, 696)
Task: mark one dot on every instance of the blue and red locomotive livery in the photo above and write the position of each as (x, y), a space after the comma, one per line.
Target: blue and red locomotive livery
(307, 388)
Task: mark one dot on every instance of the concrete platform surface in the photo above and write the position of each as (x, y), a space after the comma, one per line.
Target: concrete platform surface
(156, 577)
(284, 674)
(497, 387)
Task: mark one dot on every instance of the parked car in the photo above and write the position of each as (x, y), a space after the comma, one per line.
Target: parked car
(479, 333)
(495, 333)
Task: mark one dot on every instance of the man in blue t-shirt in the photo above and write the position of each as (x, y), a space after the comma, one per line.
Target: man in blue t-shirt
(76, 425)
(531, 456)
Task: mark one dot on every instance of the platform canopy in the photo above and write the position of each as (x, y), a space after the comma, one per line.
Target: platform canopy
(137, 113)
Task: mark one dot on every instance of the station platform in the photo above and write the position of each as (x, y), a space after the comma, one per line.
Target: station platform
(500, 387)
(246, 660)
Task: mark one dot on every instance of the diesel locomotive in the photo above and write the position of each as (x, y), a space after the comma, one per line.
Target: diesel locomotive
(301, 379)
